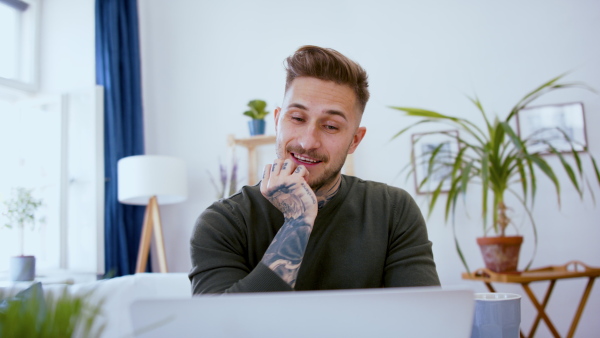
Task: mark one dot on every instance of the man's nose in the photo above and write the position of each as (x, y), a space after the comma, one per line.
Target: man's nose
(309, 138)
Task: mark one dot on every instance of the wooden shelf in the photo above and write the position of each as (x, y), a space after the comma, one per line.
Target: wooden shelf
(251, 143)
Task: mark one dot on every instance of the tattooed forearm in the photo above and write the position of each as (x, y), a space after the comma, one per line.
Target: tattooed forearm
(290, 194)
(284, 255)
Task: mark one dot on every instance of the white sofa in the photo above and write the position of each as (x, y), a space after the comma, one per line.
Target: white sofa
(119, 293)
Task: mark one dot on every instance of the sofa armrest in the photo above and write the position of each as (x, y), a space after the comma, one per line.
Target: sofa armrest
(117, 295)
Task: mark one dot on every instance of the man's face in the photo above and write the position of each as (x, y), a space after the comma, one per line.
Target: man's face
(317, 126)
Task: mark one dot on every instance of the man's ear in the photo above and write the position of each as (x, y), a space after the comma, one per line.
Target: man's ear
(276, 116)
(357, 138)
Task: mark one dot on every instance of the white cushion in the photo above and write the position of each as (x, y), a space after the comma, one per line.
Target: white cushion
(119, 293)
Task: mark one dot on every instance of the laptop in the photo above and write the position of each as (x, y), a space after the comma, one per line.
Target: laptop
(387, 312)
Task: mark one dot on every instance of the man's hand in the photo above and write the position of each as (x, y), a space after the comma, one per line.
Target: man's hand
(285, 186)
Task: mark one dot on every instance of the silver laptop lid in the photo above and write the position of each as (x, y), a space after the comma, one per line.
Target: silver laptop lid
(389, 312)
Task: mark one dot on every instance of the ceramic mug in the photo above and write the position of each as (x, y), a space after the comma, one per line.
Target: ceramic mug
(497, 315)
(22, 268)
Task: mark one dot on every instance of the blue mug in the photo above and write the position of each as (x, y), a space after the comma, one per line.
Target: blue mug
(497, 315)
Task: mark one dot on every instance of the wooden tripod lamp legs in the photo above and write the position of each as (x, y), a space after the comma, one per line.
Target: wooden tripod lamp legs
(151, 222)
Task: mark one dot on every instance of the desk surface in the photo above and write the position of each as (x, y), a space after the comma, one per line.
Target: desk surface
(573, 269)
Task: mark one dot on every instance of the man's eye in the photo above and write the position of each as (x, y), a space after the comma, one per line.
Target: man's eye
(332, 128)
(295, 118)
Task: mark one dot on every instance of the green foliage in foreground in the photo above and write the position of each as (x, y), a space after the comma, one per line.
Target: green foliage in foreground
(50, 315)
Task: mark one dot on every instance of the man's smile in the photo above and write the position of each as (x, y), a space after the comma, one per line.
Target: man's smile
(305, 160)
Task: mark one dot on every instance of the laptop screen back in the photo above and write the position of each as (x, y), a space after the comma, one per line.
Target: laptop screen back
(390, 312)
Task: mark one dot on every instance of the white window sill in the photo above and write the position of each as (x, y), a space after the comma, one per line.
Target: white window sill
(61, 277)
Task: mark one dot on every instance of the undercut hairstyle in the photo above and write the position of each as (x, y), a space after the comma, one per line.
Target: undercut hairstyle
(328, 65)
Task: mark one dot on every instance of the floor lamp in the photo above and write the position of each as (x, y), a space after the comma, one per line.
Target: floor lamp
(151, 180)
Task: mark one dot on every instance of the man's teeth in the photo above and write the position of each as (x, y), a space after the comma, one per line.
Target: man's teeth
(305, 159)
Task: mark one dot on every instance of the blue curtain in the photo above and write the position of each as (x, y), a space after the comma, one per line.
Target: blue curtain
(118, 70)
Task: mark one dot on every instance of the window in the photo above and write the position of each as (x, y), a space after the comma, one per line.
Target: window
(31, 134)
(19, 22)
(53, 144)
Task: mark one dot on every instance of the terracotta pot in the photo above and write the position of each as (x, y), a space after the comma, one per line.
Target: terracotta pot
(500, 254)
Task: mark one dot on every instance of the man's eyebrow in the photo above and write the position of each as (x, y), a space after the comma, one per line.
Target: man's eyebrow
(336, 112)
(297, 105)
(330, 112)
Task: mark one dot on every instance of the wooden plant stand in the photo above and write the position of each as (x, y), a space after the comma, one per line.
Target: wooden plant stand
(573, 269)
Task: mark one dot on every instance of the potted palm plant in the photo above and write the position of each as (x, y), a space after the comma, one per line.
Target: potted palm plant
(501, 162)
(257, 113)
(20, 211)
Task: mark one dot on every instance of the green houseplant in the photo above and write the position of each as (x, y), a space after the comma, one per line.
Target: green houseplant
(35, 313)
(499, 160)
(20, 211)
(257, 113)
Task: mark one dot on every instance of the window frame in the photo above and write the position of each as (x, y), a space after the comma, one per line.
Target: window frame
(29, 46)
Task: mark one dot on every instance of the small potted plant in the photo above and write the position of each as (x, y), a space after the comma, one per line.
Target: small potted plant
(20, 211)
(257, 113)
(502, 162)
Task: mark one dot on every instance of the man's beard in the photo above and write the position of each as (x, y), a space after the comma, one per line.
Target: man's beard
(328, 176)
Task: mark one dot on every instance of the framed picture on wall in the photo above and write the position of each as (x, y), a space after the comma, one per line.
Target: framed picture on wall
(442, 146)
(560, 126)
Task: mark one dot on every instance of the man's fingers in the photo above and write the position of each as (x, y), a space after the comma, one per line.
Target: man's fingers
(276, 167)
(265, 178)
(302, 171)
(267, 171)
(279, 170)
(287, 167)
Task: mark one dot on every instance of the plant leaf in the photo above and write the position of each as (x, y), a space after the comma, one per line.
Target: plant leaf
(479, 106)
(596, 169)
(546, 169)
(466, 125)
(567, 168)
(409, 127)
(257, 105)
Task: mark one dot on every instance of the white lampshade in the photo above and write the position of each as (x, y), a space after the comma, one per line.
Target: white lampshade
(143, 176)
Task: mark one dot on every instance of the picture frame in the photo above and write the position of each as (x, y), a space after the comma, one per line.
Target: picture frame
(553, 126)
(445, 144)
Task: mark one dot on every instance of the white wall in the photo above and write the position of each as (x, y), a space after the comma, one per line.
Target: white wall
(204, 60)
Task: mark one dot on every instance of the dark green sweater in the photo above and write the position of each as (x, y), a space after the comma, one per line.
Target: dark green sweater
(368, 235)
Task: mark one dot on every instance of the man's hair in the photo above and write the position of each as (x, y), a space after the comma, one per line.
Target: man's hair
(329, 65)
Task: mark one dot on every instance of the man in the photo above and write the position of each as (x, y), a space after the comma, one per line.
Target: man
(306, 226)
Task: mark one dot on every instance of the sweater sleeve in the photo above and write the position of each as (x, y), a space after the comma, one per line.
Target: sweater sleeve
(219, 257)
(410, 257)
